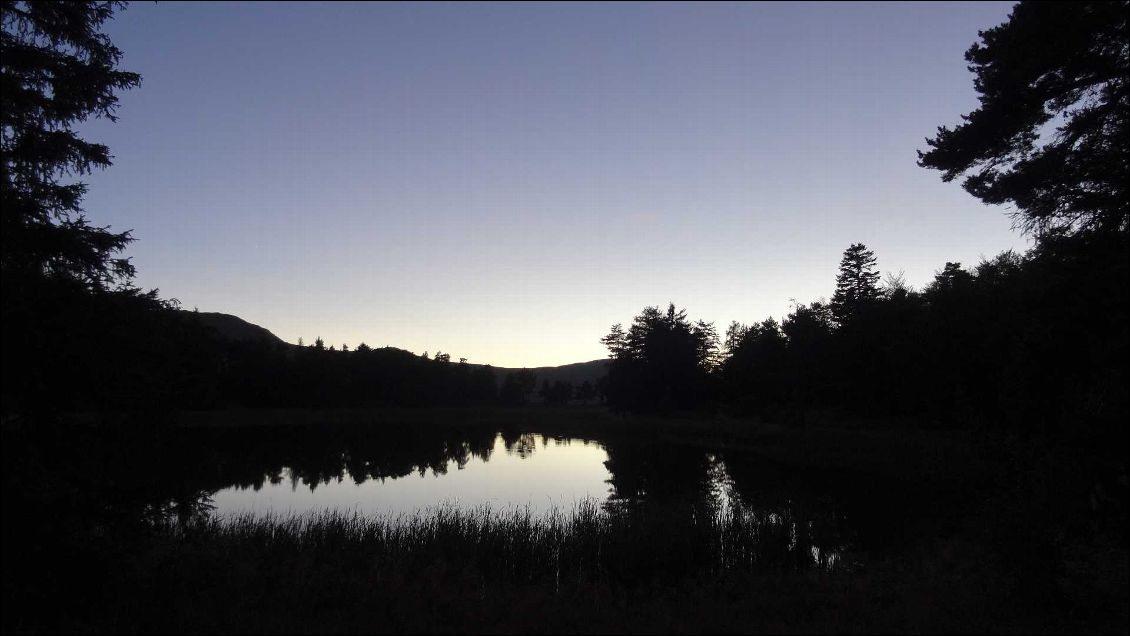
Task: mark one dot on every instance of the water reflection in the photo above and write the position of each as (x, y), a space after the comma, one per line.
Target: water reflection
(522, 445)
(686, 486)
(512, 472)
(794, 519)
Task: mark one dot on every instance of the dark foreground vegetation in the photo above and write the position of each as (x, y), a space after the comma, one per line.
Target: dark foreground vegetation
(980, 421)
(585, 571)
(968, 532)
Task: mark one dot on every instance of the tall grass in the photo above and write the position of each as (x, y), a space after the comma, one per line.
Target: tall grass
(579, 545)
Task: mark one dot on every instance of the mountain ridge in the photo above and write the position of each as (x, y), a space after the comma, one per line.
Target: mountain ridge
(234, 328)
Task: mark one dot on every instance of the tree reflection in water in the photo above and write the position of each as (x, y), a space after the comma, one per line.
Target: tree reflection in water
(666, 489)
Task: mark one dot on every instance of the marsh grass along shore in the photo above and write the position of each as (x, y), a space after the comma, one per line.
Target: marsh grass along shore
(962, 533)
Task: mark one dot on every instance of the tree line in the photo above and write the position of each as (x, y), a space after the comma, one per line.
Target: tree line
(273, 374)
(1034, 341)
(1030, 342)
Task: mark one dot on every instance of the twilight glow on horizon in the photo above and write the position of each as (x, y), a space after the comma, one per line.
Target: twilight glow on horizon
(503, 182)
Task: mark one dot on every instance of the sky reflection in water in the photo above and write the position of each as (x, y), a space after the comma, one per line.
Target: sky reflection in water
(400, 477)
(537, 471)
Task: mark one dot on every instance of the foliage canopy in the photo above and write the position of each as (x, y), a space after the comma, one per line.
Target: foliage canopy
(57, 70)
(1050, 134)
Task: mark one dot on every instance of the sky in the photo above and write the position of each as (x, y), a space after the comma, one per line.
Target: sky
(503, 182)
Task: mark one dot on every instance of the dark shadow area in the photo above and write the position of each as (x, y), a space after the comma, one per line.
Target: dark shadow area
(951, 458)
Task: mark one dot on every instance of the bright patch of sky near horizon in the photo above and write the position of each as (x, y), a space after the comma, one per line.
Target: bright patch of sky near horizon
(503, 182)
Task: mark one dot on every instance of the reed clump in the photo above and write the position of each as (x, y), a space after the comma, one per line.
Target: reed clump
(583, 544)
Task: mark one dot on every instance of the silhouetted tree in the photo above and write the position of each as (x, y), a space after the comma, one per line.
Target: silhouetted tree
(517, 387)
(586, 391)
(893, 335)
(734, 335)
(754, 372)
(602, 388)
(662, 362)
(706, 338)
(57, 70)
(857, 285)
(809, 332)
(557, 393)
(561, 392)
(76, 333)
(616, 341)
(949, 279)
(484, 384)
(1062, 62)
(895, 286)
(809, 326)
(1045, 333)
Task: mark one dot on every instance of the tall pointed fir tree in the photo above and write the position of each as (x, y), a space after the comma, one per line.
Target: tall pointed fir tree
(75, 329)
(857, 285)
(57, 71)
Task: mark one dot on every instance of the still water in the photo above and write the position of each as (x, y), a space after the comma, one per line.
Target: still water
(400, 471)
(533, 471)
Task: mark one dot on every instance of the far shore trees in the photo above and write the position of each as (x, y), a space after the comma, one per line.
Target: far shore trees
(517, 387)
(662, 362)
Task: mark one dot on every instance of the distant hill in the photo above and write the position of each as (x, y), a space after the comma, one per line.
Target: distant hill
(234, 328)
(575, 373)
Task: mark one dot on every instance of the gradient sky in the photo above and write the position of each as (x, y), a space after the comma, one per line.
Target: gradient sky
(504, 182)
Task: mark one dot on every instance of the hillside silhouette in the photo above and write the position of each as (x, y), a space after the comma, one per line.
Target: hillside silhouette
(234, 328)
(240, 364)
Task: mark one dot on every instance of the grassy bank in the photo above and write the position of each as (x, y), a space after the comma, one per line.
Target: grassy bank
(582, 571)
(1023, 548)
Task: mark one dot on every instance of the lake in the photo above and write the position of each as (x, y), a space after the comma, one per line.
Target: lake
(401, 472)
(535, 472)
(397, 469)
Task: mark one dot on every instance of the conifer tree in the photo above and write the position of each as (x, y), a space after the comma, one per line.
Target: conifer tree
(857, 285)
(58, 70)
(1051, 64)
